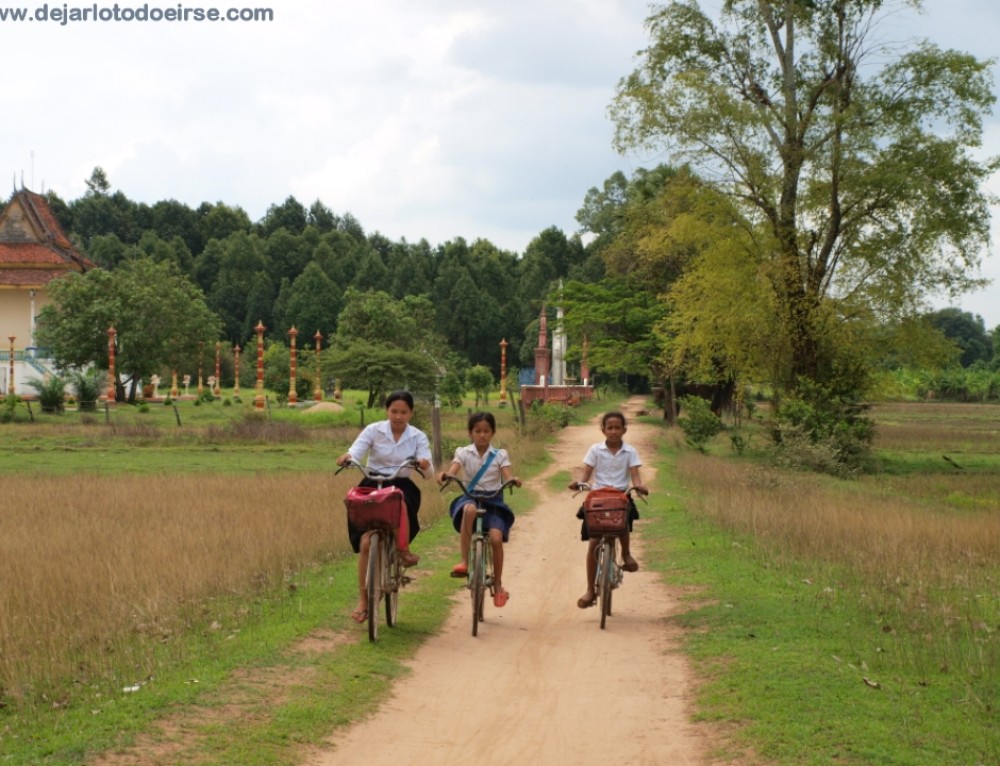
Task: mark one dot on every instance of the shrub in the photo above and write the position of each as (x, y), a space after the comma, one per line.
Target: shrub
(824, 431)
(699, 423)
(87, 386)
(51, 393)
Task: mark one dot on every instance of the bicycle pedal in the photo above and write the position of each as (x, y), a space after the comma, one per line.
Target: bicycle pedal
(405, 580)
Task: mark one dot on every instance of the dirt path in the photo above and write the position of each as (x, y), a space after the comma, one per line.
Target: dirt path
(530, 685)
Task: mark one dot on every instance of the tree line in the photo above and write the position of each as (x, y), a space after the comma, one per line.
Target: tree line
(822, 187)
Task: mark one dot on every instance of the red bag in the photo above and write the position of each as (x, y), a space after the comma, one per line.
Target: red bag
(369, 507)
(606, 512)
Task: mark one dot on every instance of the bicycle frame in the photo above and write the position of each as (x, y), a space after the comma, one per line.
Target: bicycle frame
(480, 576)
(384, 576)
(609, 572)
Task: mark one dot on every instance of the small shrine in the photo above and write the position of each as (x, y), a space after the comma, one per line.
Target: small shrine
(551, 383)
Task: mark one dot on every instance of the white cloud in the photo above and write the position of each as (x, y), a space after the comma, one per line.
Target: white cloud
(423, 118)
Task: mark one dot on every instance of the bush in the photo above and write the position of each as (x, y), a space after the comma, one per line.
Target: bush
(698, 423)
(7, 407)
(823, 431)
(87, 386)
(51, 393)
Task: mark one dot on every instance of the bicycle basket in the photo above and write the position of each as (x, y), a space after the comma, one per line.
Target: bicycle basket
(606, 512)
(372, 507)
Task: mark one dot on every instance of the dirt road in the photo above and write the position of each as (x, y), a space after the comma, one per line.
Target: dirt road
(542, 681)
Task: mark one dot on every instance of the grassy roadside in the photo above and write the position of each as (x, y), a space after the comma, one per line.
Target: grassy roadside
(799, 666)
(257, 689)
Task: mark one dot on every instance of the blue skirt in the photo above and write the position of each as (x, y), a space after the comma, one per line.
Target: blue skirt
(498, 514)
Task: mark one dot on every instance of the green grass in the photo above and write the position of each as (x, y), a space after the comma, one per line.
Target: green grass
(798, 667)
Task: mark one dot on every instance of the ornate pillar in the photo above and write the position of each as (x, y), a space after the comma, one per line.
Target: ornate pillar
(201, 358)
(584, 365)
(258, 401)
(10, 373)
(293, 397)
(112, 392)
(174, 391)
(318, 388)
(503, 372)
(218, 383)
(236, 366)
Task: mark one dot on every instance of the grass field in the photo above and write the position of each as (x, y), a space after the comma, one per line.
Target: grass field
(849, 621)
(831, 621)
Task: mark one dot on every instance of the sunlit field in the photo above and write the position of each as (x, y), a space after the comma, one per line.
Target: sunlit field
(119, 538)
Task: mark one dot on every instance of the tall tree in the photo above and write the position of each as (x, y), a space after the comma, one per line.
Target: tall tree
(853, 159)
(158, 313)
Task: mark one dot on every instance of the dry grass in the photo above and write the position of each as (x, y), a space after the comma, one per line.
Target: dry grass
(924, 568)
(953, 427)
(99, 570)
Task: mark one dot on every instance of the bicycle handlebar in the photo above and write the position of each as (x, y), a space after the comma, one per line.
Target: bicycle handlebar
(582, 486)
(509, 484)
(387, 475)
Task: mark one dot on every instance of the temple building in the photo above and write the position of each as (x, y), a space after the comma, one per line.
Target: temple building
(34, 250)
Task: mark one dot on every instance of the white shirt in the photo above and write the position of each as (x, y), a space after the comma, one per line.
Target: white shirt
(384, 452)
(471, 461)
(611, 469)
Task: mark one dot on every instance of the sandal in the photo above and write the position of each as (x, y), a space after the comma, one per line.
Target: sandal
(408, 558)
(500, 598)
(585, 601)
(360, 616)
(460, 570)
(629, 564)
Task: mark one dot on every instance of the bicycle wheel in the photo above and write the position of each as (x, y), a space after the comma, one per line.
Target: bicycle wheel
(374, 583)
(605, 561)
(392, 581)
(478, 583)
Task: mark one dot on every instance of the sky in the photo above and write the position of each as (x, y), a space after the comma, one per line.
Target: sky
(424, 119)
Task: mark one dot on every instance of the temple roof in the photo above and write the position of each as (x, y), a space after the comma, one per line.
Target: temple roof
(34, 249)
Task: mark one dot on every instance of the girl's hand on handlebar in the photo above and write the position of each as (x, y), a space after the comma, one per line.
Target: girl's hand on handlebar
(344, 459)
(517, 481)
(641, 489)
(444, 477)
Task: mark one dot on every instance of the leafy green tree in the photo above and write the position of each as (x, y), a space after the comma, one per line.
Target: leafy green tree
(290, 215)
(853, 159)
(241, 260)
(382, 344)
(218, 221)
(159, 316)
(617, 317)
(967, 331)
(313, 303)
(480, 380)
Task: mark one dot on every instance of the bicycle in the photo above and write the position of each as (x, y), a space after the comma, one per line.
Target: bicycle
(480, 575)
(375, 510)
(606, 516)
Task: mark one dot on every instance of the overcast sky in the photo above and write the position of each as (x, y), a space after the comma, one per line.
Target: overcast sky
(423, 118)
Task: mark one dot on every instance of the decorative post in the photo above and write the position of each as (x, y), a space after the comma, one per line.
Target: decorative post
(236, 366)
(318, 389)
(293, 397)
(10, 376)
(112, 392)
(503, 372)
(584, 365)
(174, 391)
(258, 401)
(218, 387)
(201, 358)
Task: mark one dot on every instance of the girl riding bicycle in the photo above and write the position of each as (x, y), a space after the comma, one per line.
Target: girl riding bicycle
(486, 468)
(389, 443)
(611, 463)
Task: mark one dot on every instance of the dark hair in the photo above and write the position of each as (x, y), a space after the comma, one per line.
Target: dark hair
(480, 417)
(609, 415)
(399, 396)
